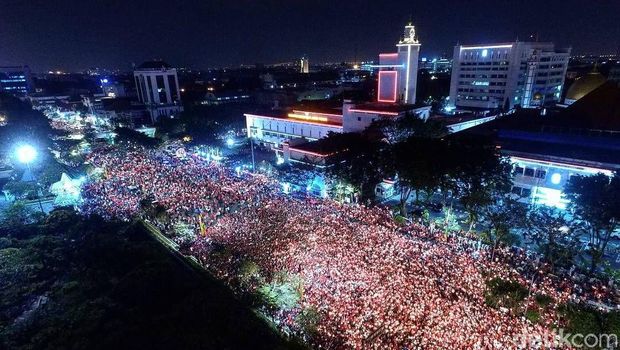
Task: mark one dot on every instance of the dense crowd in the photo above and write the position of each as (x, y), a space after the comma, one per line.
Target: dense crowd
(373, 283)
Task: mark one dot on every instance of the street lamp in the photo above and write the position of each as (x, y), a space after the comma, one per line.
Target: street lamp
(27, 154)
(230, 142)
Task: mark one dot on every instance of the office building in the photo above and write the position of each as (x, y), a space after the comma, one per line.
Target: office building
(502, 76)
(157, 85)
(16, 80)
(581, 140)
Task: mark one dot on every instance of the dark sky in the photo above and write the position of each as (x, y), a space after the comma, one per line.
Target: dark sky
(77, 34)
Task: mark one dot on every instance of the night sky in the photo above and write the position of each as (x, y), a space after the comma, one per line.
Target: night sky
(77, 34)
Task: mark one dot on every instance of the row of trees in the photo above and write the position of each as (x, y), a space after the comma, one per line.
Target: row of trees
(471, 173)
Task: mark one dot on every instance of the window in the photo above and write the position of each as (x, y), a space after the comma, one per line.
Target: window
(516, 190)
(518, 170)
(541, 174)
(529, 172)
(527, 192)
(359, 119)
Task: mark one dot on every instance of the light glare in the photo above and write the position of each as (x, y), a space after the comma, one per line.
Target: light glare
(26, 154)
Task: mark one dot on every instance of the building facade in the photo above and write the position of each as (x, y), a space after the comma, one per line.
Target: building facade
(502, 76)
(16, 80)
(158, 89)
(293, 135)
(304, 65)
(398, 72)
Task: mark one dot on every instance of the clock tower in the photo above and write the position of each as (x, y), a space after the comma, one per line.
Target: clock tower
(408, 55)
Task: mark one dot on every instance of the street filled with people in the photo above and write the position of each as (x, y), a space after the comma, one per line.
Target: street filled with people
(373, 282)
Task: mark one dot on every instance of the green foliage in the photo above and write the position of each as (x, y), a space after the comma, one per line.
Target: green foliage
(21, 189)
(24, 124)
(401, 220)
(308, 319)
(503, 293)
(399, 130)
(594, 199)
(543, 300)
(16, 215)
(184, 233)
(554, 234)
(249, 272)
(586, 320)
(581, 319)
(532, 315)
(415, 163)
(611, 323)
(359, 161)
(50, 174)
(58, 221)
(282, 292)
(127, 135)
(100, 285)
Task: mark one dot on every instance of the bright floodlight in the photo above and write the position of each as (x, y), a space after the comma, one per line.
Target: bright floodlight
(26, 154)
(230, 142)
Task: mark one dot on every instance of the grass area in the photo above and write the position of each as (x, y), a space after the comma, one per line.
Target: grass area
(74, 283)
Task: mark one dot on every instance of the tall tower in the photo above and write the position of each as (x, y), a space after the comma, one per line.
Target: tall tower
(408, 54)
(304, 65)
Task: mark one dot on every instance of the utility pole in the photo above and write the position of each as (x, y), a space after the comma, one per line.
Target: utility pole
(252, 147)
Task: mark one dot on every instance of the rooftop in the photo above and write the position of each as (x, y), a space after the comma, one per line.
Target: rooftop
(294, 120)
(323, 147)
(154, 65)
(388, 107)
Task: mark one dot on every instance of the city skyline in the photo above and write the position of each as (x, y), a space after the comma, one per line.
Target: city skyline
(71, 35)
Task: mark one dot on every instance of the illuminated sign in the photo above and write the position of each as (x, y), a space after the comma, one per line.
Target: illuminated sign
(307, 117)
(480, 83)
(388, 81)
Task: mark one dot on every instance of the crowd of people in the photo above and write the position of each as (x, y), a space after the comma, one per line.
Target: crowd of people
(373, 283)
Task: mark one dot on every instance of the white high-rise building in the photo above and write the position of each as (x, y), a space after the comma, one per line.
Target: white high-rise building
(398, 72)
(158, 88)
(304, 64)
(502, 76)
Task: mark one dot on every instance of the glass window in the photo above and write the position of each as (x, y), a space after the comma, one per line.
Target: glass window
(541, 174)
(529, 172)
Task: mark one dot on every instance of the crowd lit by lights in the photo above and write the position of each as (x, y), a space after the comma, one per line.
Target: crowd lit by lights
(372, 282)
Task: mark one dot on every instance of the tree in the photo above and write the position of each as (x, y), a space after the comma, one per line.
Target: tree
(503, 218)
(555, 235)
(483, 175)
(415, 164)
(596, 201)
(127, 135)
(410, 125)
(16, 216)
(357, 160)
(21, 189)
